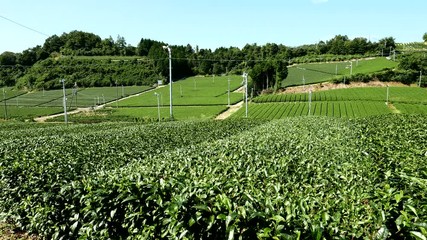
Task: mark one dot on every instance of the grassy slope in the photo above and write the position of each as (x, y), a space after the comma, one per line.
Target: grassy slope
(321, 72)
(191, 91)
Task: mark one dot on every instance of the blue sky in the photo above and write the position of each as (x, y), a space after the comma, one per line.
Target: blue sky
(212, 23)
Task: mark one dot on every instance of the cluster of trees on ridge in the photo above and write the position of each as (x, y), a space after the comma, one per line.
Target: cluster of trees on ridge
(67, 56)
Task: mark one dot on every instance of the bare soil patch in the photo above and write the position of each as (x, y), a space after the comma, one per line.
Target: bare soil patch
(232, 109)
(328, 86)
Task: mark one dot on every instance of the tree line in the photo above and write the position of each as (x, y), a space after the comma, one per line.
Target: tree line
(61, 56)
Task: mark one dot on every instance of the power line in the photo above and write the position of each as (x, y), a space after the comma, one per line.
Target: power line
(19, 24)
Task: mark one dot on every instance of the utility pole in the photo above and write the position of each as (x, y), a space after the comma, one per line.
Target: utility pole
(5, 104)
(170, 79)
(228, 88)
(419, 83)
(386, 101)
(303, 81)
(228, 92)
(117, 95)
(309, 102)
(64, 101)
(75, 92)
(158, 105)
(245, 79)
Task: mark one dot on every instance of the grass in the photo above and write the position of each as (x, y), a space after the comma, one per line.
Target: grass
(179, 112)
(145, 114)
(322, 72)
(85, 97)
(27, 113)
(39, 98)
(193, 91)
(9, 93)
(99, 95)
(24, 106)
(193, 98)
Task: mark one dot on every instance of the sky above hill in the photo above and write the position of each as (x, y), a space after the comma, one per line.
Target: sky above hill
(211, 23)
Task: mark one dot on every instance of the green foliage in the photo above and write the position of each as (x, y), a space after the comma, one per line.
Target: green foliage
(267, 74)
(89, 73)
(7, 58)
(282, 179)
(9, 74)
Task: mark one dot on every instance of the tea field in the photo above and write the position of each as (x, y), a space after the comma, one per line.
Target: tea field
(23, 105)
(347, 103)
(309, 73)
(295, 178)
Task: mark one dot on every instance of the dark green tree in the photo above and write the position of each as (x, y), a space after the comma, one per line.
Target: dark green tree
(337, 45)
(7, 58)
(53, 44)
(267, 74)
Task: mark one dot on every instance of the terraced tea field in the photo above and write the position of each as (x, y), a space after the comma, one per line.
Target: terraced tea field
(348, 102)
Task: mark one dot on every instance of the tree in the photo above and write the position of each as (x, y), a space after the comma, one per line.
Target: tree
(281, 73)
(80, 43)
(425, 37)
(121, 45)
(144, 46)
(268, 74)
(7, 58)
(386, 43)
(338, 45)
(53, 44)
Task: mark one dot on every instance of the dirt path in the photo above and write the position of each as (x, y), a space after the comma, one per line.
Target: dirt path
(89, 109)
(232, 109)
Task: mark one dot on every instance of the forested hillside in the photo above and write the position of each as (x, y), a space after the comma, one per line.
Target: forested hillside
(86, 59)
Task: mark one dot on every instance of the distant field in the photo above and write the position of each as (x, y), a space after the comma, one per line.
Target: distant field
(396, 94)
(343, 109)
(124, 58)
(179, 112)
(38, 98)
(193, 98)
(29, 105)
(191, 91)
(99, 95)
(29, 113)
(348, 102)
(9, 93)
(411, 108)
(412, 47)
(147, 114)
(321, 72)
(84, 98)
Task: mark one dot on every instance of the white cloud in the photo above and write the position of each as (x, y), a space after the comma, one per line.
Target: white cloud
(319, 1)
